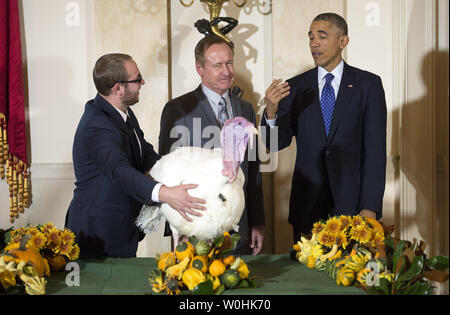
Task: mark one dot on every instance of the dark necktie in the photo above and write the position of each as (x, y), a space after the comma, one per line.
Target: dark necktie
(223, 113)
(327, 102)
(134, 142)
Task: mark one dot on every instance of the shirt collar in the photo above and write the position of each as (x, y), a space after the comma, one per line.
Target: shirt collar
(336, 72)
(213, 96)
(122, 114)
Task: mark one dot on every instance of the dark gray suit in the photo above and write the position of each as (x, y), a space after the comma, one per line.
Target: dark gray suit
(193, 112)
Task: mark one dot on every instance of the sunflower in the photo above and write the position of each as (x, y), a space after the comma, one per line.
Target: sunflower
(377, 239)
(47, 227)
(67, 237)
(37, 241)
(326, 238)
(318, 227)
(74, 253)
(16, 238)
(333, 225)
(156, 281)
(361, 233)
(64, 249)
(32, 230)
(173, 286)
(357, 221)
(316, 251)
(346, 221)
(341, 239)
(53, 236)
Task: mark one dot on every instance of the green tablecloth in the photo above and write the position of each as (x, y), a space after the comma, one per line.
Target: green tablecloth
(276, 274)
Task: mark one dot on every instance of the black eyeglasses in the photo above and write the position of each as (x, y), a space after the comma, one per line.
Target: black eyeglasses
(138, 80)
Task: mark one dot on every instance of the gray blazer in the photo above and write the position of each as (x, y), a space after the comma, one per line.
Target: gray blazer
(192, 116)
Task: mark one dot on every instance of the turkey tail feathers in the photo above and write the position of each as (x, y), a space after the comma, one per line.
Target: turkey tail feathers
(149, 218)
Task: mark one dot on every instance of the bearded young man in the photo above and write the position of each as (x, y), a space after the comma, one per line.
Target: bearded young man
(110, 158)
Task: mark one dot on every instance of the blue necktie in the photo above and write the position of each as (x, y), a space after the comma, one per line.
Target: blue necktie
(223, 113)
(327, 102)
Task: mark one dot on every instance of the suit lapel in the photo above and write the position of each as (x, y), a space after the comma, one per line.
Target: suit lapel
(207, 113)
(316, 109)
(345, 94)
(111, 112)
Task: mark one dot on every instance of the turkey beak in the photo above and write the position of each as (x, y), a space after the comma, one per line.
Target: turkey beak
(252, 130)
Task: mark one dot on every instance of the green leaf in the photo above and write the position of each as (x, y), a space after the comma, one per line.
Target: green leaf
(414, 270)
(418, 288)
(217, 241)
(235, 238)
(204, 288)
(437, 262)
(384, 286)
(389, 242)
(398, 252)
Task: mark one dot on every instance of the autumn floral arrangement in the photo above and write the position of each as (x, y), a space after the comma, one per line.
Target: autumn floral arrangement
(199, 268)
(360, 251)
(31, 252)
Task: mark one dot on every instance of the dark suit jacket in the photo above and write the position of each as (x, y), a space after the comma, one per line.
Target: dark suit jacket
(352, 158)
(110, 186)
(193, 112)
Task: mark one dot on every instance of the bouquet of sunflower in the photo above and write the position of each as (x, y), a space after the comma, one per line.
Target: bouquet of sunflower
(199, 268)
(360, 250)
(342, 246)
(56, 246)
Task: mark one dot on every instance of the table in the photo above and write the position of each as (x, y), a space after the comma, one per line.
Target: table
(276, 274)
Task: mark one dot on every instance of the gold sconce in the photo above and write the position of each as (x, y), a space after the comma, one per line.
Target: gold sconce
(215, 6)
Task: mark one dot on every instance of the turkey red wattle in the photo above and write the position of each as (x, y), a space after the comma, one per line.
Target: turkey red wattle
(235, 134)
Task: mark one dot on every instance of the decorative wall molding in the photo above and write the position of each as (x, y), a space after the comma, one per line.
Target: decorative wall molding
(52, 171)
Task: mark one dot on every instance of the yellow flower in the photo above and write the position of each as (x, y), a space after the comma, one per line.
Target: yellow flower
(10, 246)
(346, 221)
(53, 236)
(67, 237)
(357, 221)
(318, 227)
(377, 239)
(37, 241)
(361, 233)
(74, 253)
(326, 238)
(32, 230)
(64, 249)
(333, 225)
(47, 227)
(316, 251)
(341, 239)
(16, 239)
(156, 281)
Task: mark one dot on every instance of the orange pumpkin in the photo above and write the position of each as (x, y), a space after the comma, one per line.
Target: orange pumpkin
(32, 256)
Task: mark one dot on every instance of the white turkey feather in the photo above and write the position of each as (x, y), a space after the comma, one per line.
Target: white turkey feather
(224, 201)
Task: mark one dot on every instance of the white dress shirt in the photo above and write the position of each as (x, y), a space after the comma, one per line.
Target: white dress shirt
(214, 99)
